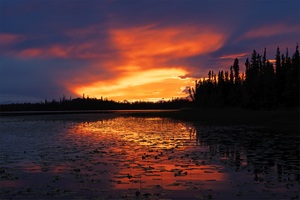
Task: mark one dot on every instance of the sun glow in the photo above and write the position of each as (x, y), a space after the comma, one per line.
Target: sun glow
(140, 85)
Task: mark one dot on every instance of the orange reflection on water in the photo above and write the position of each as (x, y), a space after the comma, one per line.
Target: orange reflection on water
(152, 153)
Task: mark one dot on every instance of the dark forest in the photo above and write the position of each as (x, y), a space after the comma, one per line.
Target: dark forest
(261, 86)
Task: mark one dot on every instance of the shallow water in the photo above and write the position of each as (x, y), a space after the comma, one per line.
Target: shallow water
(106, 156)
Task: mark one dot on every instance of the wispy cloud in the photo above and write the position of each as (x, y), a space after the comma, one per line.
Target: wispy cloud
(144, 42)
(233, 56)
(10, 39)
(271, 30)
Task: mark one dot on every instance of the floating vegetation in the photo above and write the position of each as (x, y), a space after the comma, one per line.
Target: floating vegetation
(155, 158)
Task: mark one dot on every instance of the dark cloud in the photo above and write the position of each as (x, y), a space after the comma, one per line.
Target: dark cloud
(31, 78)
(49, 17)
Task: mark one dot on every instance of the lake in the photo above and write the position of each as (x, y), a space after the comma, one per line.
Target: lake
(111, 156)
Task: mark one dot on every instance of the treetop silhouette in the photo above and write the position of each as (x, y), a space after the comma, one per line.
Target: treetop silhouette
(260, 86)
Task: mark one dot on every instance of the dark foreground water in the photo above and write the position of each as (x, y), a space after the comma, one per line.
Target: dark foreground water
(105, 156)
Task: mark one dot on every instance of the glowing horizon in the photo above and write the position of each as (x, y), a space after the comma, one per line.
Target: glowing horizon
(147, 85)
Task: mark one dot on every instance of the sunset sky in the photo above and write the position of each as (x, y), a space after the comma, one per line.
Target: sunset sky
(132, 50)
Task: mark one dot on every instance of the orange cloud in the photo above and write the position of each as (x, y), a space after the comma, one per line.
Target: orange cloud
(140, 66)
(148, 43)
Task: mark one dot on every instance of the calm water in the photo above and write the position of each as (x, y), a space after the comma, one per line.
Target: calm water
(112, 157)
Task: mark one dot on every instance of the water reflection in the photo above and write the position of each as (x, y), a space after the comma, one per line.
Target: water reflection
(147, 152)
(127, 157)
(267, 155)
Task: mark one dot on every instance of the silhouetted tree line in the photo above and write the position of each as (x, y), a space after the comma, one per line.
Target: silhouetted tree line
(261, 86)
(93, 104)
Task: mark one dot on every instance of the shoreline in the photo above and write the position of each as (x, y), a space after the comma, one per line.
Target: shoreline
(66, 112)
(275, 120)
(280, 119)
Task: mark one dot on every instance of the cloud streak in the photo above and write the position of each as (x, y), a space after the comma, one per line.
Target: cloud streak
(7, 39)
(271, 30)
(174, 42)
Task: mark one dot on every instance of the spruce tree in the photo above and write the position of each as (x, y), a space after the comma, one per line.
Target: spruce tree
(236, 69)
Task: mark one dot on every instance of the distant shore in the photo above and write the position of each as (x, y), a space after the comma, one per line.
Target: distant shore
(281, 120)
(66, 112)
